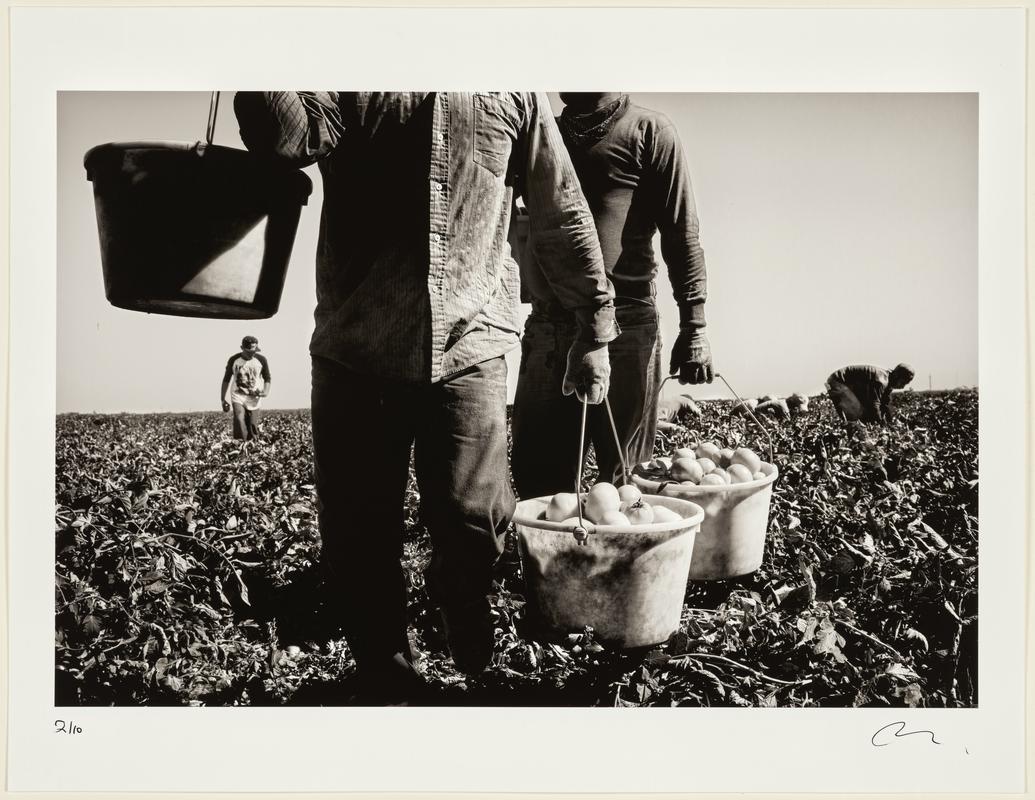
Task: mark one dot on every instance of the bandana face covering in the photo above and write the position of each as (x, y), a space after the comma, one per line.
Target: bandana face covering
(585, 130)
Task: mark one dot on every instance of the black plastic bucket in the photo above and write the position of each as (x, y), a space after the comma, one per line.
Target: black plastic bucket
(194, 229)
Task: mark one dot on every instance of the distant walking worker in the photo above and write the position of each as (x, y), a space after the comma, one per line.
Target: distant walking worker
(633, 172)
(863, 393)
(247, 377)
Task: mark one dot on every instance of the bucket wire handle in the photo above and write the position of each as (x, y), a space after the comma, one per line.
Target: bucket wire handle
(618, 442)
(763, 428)
(213, 110)
(581, 533)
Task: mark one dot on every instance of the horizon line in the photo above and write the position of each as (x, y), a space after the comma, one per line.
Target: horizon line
(907, 390)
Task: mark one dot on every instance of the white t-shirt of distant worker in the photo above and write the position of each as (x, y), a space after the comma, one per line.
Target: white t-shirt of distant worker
(247, 375)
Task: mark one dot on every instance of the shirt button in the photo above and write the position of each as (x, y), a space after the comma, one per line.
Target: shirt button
(438, 187)
(440, 136)
(435, 238)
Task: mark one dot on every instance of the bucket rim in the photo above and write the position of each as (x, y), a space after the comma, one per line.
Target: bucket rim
(652, 486)
(197, 146)
(100, 159)
(179, 145)
(685, 523)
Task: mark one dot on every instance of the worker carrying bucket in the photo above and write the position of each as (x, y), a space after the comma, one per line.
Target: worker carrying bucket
(414, 317)
(633, 171)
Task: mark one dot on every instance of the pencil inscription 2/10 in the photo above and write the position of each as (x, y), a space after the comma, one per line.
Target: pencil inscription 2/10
(67, 727)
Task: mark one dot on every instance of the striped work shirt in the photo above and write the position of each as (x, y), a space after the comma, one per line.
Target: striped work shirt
(414, 278)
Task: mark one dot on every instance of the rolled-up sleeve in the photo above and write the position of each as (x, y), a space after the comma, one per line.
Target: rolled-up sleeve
(296, 127)
(562, 230)
(678, 224)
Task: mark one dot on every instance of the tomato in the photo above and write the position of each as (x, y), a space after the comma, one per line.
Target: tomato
(629, 493)
(747, 457)
(662, 514)
(613, 517)
(563, 505)
(640, 514)
(686, 469)
(709, 450)
(739, 474)
(602, 497)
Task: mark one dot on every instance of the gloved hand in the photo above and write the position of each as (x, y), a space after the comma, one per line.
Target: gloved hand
(226, 406)
(692, 357)
(589, 372)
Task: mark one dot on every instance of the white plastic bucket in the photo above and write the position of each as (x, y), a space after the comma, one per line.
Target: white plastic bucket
(731, 541)
(626, 582)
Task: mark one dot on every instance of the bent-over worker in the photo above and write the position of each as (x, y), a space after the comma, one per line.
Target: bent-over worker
(862, 392)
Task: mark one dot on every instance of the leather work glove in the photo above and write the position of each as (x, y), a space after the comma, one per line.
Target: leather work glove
(692, 357)
(589, 372)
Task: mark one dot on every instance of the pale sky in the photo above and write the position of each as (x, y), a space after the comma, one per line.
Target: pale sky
(837, 229)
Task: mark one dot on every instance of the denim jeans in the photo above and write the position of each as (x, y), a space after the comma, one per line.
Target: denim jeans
(546, 423)
(363, 431)
(246, 422)
(431, 265)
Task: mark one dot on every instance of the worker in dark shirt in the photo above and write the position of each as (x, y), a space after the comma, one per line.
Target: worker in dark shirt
(417, 306)
(632, 169)
(862, 392)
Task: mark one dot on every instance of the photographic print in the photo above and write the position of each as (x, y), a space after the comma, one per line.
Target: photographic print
(582, 413)
(812, 541)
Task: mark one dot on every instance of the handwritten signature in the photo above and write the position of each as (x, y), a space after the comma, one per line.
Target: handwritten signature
(883, 733)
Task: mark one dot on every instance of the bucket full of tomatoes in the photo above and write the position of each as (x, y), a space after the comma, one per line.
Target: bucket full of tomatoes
(611, 558)
(734, 487)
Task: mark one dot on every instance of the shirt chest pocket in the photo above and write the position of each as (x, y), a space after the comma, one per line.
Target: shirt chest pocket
(496, 122)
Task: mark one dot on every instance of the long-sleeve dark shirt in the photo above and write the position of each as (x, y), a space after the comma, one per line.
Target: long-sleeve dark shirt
(637, 183)
(871, 385)
(414, 277)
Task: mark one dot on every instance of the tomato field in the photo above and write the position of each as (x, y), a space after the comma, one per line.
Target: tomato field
(175, 551)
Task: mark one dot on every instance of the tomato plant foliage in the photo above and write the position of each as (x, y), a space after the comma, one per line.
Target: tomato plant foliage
(174, 549)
